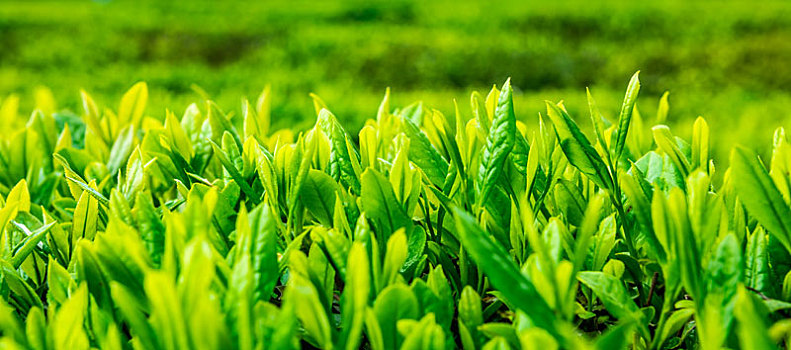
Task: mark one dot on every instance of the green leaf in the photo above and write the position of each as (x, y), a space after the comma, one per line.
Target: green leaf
(597, 119)
(416, 244)
(341, 168)
(379, 203)
(23, 295)
(308, 306)
(263, 252)
(641, 206)
(577, 148)
(700, 145)
(19, 197)
(135, 175)
(479, 109)
(151, 228)
(394, 303)
(285, 328)
(89, 271)
(122, 148)
(470, 312)
(252, 126)
(760, 195)
(757, 269)
(234, 172)
(133, 104)
(318, 194)
(75, 182)
(604, 242)
(67, 328)
(395, 257)
(167, 318)
(497, 343)
(35, 329)
(613, 295)
(92, 117)
(263, 108)
(178, 136)
(615, 338)
(752, 328)
(500, 330)
(667, 143)
(59, 282)
(423, 153)
(625, 117)
(499, 142)
(355, 297)
(335, 246)
(86, 215)
(674, 323)
(659, 170)
(29, 244)
(723, 278)
(502, 272)
(423, 335)
(664, 106)
(537, 338)
(470, 317)
(219, 124)
(297, 170)
(684, 243)
(232, 151)
(569, 199)
(441, 302)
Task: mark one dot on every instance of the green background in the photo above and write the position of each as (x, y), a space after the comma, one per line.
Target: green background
(727, 61)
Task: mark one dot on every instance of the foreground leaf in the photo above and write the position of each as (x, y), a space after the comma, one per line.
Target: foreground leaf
(502, 272)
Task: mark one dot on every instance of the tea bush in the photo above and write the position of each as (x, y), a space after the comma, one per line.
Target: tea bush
(125, 231)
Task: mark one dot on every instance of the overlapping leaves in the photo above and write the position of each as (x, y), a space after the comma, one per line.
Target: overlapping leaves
(128, 230)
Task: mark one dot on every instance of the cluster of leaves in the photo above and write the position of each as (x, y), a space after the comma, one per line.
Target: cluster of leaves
(123, 231)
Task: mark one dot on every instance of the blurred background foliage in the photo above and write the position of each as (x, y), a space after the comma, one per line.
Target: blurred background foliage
(728, 61)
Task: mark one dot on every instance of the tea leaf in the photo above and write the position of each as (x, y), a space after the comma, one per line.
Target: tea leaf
(133, 104)
(379, 202)
(502, 271)
(578, 150)
(625, 117)
(318, 193)
(760, 195)
(499, 142)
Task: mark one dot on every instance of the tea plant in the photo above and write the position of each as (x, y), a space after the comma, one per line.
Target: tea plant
(123, 231)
